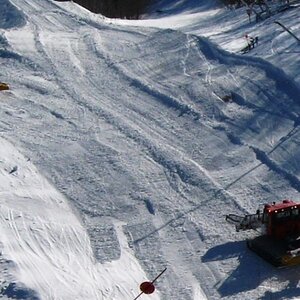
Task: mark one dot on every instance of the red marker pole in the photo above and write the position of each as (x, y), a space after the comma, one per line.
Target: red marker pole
(148, 287)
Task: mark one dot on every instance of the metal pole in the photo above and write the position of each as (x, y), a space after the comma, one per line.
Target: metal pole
(164, 270)
(288, 30)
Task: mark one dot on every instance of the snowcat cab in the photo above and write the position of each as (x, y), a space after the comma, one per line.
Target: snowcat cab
(279, 242)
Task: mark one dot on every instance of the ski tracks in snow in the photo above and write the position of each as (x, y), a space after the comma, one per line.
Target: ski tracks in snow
(49, 250)
(124, 122)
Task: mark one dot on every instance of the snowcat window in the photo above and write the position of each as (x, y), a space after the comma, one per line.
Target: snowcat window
(265, 218)
(282, 215)
(295, 212)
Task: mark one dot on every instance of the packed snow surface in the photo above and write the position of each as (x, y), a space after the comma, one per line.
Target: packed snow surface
(125, 143)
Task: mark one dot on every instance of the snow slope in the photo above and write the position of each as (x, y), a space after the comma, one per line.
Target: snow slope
(128, 158)
(46, 248)
(227, 28)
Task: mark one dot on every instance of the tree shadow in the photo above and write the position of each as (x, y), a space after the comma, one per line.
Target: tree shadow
(251, 272)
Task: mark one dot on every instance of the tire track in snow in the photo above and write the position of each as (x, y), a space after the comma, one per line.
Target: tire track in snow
(284, 109)
(188, 172)
(162, 156)
(264, 159)
(283, 82)
(189, 41)
(109, 117)
(262, 156)
(180, 168)
(162, 159)
(194, 44)
(51, 73)
(167, 100)
(168, 166)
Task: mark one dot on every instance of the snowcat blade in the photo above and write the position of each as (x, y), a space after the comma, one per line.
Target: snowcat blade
(246, 222)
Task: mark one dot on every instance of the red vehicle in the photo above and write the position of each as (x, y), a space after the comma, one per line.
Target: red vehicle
(279, 242)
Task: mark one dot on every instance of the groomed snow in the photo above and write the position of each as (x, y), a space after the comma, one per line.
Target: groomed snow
(45, 247)
(125, 143)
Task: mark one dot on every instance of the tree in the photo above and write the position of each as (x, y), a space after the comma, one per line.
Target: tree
(131, 9)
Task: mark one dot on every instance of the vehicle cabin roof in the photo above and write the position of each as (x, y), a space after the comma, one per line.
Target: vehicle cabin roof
(285, 204)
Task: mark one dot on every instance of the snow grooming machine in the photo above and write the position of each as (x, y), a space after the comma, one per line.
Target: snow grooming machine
(279, 242)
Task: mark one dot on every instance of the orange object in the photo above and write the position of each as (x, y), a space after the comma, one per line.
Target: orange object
(4, 86)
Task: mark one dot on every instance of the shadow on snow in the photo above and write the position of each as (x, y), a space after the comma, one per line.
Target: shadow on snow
(251, 272)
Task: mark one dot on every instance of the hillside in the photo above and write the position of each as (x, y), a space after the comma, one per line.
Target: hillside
(120, 157)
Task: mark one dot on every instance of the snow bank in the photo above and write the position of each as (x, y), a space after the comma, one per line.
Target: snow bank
(45, 251)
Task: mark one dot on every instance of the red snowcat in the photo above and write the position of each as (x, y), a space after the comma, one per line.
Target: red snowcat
(279, 242)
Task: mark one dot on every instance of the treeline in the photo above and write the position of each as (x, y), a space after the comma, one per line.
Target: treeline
(260, 9)
(129, 9)
(239, 3)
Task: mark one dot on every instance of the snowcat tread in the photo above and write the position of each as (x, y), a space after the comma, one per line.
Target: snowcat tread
(273, 251)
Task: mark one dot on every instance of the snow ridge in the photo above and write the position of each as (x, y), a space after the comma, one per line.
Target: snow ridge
(283, 82)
